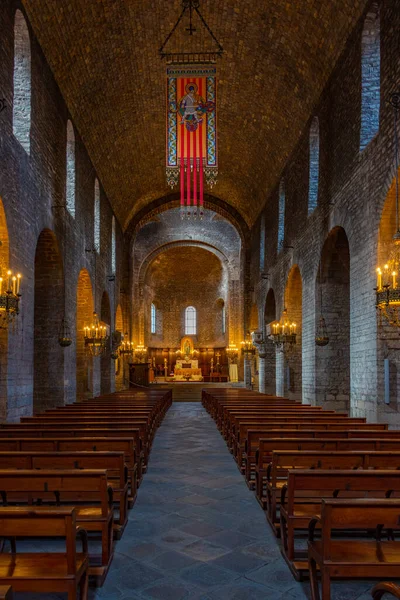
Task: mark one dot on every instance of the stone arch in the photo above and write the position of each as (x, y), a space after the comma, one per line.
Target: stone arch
(332, 362)
(293, 364)
(105, 360)
(270, 352)
(84, 317)
(4, 266)
(48, 366)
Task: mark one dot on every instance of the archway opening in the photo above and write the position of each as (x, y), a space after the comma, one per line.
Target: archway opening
(48, 361)
(84, 317)
(105, 360)
(332, 362)
(293, 363)
(270, 354)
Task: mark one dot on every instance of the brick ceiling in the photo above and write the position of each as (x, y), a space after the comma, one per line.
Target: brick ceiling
(278, 56)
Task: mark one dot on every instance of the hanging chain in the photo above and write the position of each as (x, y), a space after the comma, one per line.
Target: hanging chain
(395, 102)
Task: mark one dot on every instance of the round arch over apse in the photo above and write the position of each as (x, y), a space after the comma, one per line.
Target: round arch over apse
(84, 316)
(48, 310)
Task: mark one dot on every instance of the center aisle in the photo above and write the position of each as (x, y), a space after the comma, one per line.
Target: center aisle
(196, 531)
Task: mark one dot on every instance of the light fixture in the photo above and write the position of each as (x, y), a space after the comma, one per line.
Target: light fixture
(247, 346)
(9, 299)
(232, 353)
(284, 333)
(387, 290)
(64, 334)
(96, 337)
(126, 346)
(140, 352)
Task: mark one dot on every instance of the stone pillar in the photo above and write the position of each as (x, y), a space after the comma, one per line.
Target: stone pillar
(262, 374)
(247, 371)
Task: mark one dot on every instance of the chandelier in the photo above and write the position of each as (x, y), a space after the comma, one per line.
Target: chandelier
(64, 334)
(232, 352)
(126, 346)
(284, 333)
(9, 299)
(140, 352)
(247, 346)
(96, 337)
(387, 290)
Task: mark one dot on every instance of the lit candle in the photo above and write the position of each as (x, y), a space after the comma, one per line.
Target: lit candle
(18, 282)
(386, 280)
(1, 285)
(14, 285)
(394, 284)
(8, 280)
(379, 279)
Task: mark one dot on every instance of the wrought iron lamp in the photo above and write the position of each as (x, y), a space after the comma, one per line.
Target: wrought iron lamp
(387, 288)
(126, 347)
(140, 352)
(64, 334)
(96, 337)
(247, 346)
(284, 333)
(9, 299)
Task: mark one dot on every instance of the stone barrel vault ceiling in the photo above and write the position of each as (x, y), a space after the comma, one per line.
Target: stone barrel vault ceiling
(278, 56)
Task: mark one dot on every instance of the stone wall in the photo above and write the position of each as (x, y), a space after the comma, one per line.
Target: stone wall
(353, 187)
(32, 190)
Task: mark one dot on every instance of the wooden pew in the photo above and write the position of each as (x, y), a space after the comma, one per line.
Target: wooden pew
(254, 437)
(77, 487)
(383, 588)
(302, 495)
(282, 461)
(352, 557)
(6, 592)
(44, 572)
(112, 462)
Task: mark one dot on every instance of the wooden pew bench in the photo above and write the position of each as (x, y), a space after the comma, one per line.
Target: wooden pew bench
(383, 588)
(50, 571)
(6, 592)
(352, 556)
(112, 462)
(301, 500)
(87, 490)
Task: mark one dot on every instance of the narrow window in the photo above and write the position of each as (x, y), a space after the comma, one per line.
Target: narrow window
(22, 82)
(370, 76)
(313, 182)
(70, 178)
(97, 215)
(190, 321)
(223, 320)
(113, 248)
(281, 221)
(262, 243)
(153, 319)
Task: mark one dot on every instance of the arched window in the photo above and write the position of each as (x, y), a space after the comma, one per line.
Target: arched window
(153, 319)
(70, 179)
(190, 321)
(281, 218)
(22, 82)
(113, 247)
(262, 243)
(223, 319)
(370, 76)
(97, 215)
(313, 182)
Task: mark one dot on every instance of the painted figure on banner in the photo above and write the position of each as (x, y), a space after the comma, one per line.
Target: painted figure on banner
(192, 107)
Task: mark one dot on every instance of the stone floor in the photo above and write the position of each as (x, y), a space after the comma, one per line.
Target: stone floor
(196, 531)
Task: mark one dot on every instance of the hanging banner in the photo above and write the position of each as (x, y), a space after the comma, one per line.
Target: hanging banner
(191, 133)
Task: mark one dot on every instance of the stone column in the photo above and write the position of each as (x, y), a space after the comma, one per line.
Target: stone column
(262, 375)
(247, 371)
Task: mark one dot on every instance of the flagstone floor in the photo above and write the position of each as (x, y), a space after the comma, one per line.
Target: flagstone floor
(196, 531)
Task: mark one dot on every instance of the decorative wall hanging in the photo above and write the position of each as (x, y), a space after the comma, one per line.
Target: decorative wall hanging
(191, 113)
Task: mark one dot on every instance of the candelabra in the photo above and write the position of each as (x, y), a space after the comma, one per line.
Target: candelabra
(247, 346)
(284, 333)
(96, 337)
(232, 353)
(140, 352)
(9, 299)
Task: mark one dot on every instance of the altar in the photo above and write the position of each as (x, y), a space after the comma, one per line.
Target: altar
(187, 368)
